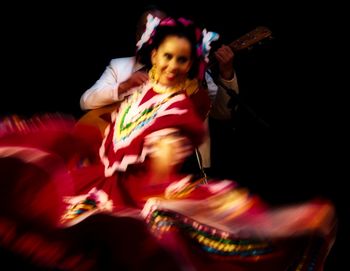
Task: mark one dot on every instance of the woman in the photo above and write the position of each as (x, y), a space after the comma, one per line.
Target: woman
(48, 163)
(214, 226)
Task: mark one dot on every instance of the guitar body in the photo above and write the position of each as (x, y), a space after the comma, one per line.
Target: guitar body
(100, 117)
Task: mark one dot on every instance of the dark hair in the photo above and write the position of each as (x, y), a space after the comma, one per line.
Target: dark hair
(179, 29)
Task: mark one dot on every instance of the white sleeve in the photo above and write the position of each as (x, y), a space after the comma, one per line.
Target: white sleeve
(220, 98)
(105, 90)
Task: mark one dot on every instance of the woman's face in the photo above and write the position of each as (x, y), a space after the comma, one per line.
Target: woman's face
(172, 61)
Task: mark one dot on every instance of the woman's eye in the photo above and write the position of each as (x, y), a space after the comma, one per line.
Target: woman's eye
(168, 56)
(182, 60)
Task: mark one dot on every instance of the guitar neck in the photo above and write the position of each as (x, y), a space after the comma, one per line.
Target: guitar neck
(251, 38)
(246, 41)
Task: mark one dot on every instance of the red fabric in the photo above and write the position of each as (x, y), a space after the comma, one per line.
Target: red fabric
(201, 102)
(188, 123)
(33, 192)
(41, 166)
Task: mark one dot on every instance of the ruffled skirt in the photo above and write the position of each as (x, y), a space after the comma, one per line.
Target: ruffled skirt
(50, 165)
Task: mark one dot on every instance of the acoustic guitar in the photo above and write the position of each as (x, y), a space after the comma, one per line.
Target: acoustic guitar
(100, 117)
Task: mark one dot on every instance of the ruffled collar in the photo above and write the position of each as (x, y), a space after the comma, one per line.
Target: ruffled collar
(189, 87)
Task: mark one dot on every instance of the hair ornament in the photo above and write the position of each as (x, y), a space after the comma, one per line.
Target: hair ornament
(184, 21)
(168, 21)
(208, 37)
(152, 23)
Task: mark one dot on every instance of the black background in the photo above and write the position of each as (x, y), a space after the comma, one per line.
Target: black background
(51, 53)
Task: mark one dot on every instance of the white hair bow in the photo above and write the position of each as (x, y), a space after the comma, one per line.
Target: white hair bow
(152, 23)
(208, 37)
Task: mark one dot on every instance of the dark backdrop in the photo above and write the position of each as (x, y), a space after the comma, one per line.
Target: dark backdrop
(53, 52)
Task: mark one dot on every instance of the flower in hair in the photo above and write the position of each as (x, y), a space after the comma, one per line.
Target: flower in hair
(152, 23)
(168, 21)
(185, 22)
(208, 37)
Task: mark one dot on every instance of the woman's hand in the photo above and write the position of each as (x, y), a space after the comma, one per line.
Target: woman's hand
(136, 79)
(168, 151)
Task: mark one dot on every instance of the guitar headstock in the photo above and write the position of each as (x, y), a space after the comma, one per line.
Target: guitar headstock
(247, 40)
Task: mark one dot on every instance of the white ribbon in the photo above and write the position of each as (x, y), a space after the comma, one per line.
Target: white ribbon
(152, 23)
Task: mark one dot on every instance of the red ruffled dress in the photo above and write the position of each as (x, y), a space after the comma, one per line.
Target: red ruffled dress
(51, 176)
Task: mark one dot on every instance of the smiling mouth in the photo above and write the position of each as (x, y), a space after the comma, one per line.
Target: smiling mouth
(171, 78)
